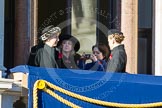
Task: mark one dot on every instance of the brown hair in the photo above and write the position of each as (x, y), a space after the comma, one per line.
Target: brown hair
(103, 49)
(118, 37)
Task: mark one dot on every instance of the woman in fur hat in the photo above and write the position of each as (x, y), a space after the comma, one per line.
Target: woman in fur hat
(45, 54)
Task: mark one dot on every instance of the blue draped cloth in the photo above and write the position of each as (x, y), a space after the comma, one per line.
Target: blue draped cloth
(106, 86)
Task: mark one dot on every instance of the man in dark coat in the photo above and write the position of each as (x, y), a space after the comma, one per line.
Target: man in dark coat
(45, 55)
(118, 58)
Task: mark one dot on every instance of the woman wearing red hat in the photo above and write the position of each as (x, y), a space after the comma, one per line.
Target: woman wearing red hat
(67, 56)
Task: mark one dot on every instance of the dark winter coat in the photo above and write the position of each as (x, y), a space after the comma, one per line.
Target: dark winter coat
(45, 57)
(34, 49)
(99, 65)
(117, 60)
(69, 63)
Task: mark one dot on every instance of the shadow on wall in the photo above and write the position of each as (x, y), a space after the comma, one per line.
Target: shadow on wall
(19, 103)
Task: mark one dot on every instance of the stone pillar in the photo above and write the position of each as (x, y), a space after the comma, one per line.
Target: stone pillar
(89, 14)
(34, 22)
(88, 6)
(22, 38)
(77, 14)
(86, 24)
(74, 27)
(157, 37)
(129, 26)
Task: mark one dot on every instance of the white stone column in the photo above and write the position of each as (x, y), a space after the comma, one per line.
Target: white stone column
(73, 20)
(88, 6)
(129, 26)
(34, 22)
(86, 31)
(89, 14)
(157, 37)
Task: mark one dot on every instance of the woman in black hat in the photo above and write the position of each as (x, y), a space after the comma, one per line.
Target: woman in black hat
(45, 54)
(67, 56)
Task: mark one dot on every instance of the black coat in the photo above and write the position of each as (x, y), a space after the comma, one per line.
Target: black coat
(117, 60)
(34, 49)
(45, 57)
(70, 63)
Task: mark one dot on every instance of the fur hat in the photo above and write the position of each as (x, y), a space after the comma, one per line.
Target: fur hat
(49, 31)
(74, 40)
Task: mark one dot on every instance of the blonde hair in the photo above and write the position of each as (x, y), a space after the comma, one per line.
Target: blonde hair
(118, 37)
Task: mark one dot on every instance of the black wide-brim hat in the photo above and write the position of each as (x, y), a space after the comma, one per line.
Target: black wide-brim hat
(71, 38)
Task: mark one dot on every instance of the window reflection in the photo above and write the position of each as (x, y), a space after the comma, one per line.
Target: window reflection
(84, 23)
